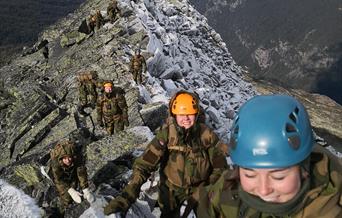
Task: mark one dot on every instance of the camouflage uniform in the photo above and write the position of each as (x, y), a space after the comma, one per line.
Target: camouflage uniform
(112, 110)
(187, 159)
(66, 177)
(87, 89)
(95, 21)
(319, 197)
(91, 23)
(137, 67)
(112, 10)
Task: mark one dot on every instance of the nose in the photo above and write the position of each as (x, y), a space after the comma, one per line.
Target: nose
(264, 187)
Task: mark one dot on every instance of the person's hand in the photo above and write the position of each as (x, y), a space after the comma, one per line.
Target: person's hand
(88, 195)
(117, 205)
(75, 195)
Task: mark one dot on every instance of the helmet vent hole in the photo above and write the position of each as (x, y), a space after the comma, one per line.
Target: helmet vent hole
(296, 110)
(236, 130)
(294, 142)
(293, 117)
(290, 128)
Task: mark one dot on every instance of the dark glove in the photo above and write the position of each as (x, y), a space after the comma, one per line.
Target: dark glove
(118, 204)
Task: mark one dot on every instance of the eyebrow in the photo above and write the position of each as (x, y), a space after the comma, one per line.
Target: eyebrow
(272, 171)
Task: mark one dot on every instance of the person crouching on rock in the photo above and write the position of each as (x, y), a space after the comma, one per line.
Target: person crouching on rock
(69, 172)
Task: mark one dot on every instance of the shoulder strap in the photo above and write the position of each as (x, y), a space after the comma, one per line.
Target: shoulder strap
(172, 136)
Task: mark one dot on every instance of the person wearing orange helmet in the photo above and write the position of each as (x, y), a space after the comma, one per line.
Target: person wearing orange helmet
(112, 109)
(187, 153)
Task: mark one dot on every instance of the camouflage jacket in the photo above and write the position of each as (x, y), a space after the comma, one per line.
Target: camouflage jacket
(108, 107)
(319, 197)
(138, 63)
(87, 88)
(186, 159)
(113, 7)
(66, 175)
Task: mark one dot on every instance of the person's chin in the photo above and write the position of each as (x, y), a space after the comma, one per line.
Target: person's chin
(274, 199)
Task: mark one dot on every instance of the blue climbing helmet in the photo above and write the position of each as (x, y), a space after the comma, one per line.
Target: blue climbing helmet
(271, 131)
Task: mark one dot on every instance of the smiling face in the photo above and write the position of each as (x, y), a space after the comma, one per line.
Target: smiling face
(108, 89)
(271, 185)
(67, 160)
(186, 121)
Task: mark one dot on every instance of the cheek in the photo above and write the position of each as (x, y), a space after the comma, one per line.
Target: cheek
(290, 185)
(247, 184)
(179, 121)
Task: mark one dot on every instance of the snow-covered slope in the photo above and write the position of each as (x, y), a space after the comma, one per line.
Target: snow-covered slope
(189, 54)
(16, 204)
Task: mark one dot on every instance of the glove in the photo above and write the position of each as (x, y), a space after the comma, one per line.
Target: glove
(117, 205)
(75, 195)
(88, 195)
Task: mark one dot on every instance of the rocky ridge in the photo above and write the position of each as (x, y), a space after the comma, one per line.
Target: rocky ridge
(39, 98)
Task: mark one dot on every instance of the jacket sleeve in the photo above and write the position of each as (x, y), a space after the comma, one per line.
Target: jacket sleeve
(144, 64)
(57, 173)
(144, 166)
(131, 64)
(99, 109)
(217, 157)
(82, 176)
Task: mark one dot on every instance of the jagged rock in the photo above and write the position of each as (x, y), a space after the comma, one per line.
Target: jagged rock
(111, 147)
(29, 172)
(71, 38)
(125, 8)
(172, 73)
(213, 114)
(190, 61)
(154, 114)
(169, 86)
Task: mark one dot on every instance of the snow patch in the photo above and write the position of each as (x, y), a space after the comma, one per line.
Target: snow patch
(15, 203)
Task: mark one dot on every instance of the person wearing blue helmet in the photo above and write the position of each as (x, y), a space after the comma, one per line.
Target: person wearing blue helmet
(278, 170)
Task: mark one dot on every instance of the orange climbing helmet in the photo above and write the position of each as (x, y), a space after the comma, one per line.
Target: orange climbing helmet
(184, 103)
(108, 84)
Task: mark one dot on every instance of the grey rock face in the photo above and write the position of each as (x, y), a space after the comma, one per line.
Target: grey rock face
(41, 97)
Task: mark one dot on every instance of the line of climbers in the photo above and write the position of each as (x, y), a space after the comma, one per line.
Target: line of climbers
(277, 171)
(110, 101)
(96, 21)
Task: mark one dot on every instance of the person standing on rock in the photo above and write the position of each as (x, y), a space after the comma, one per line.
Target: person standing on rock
(188, 154)
(112, 10)
(95, 21)
(99, 21)
(112, 109)
(278, 171)
(138, 66)
(87, 90)
(69, 173)
(91, 23)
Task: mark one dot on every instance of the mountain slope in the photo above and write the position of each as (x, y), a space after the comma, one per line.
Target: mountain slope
(22, 21)
(291, 43)
(39, 98)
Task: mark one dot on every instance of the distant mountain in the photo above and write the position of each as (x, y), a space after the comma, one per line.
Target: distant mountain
(39, 97)
(292, 43)
(22, 21)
